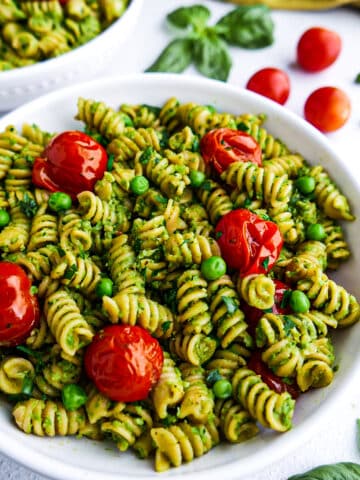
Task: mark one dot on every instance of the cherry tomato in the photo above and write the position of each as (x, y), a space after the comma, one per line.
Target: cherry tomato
(272, 381)
(253, 314)
(223, 146)
(72, 163)
(247, 242)
(317, 49)
(19, 309)
(327, 108)
(272, 83)
(124, 362)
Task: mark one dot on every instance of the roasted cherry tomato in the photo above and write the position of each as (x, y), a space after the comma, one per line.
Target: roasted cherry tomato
(71, 163)
(223, 146)
(124, 362)
(253, 314)
(327, 108)
(272, 83)
(317, 49)
(19, 309)
(273, 381)
(247, 242)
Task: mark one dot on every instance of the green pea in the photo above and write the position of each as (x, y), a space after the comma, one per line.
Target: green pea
(305, 184)
(104, 287)
(196, 178)
(139, 185)
(315, 231)
(59, 201)
(222, 389)
(73, 397)
(299, 302)
(4, 217)
(213, 268)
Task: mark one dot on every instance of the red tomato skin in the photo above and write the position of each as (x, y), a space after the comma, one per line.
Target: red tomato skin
(71, 163)
(19, 309)
(317, 49)
(124, 362)
(272, 83)
(272, 381)
(246, 241)
(222, 146)
(327, 108)
(253, 314)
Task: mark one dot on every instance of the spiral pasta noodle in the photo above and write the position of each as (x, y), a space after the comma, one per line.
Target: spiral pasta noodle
(134, 257)
(235, 423)
(269, 408)
(66, 323)
(258, 183)
(257, 290)
(34, 31)
(182, 443)
(192, 307)
(169, 390)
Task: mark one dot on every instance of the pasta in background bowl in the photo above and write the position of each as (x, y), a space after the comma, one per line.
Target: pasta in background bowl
(73, 458)
(85, 62)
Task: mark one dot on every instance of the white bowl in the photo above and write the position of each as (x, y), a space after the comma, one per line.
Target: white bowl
(84, 63)
(70, 459)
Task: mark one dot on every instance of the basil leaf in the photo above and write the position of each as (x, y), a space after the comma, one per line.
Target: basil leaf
(185, 17)
(175, 57)
(338, 471)
(358, 434)
(212, 58)
(247, 27)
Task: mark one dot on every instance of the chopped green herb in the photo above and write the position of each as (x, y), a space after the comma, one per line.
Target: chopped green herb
(357, 78)
(165, 326)
(213, 377)
(70, 271)
(286, 298)
(231, 305)
(265, 263)
(28, 206)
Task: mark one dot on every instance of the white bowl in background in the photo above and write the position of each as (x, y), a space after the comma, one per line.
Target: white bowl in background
(70, 458)
(20, 85)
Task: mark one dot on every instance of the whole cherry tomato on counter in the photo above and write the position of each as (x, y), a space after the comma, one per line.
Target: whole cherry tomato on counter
(280, 307)
(327, 108)
(19, 309)
(71, 163)
(273, 381)
(272, 83)
(247, 242)
(124, 362)
(317, 49)
(223, 146)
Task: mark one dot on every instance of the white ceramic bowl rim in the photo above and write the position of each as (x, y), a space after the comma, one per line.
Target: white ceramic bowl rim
(282, 444)
(62, 60)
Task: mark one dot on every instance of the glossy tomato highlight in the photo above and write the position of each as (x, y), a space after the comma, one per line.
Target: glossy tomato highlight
(124, 362)
(247, 242)
(222, 146)
(19, 308)
(71, 163)
(327, 108)
(317, 49)
(272, 83)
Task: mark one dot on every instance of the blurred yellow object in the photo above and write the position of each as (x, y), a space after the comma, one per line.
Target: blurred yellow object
(300, 4)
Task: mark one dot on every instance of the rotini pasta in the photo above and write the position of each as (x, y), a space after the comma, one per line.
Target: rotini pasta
(33, 31)
(134, 257)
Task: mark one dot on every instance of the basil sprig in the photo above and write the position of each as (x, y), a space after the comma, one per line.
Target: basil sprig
(247, 27)
(338, 471)
(207, 46)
